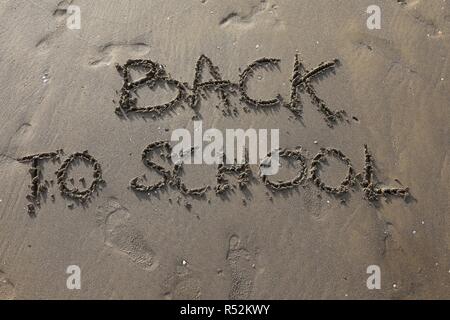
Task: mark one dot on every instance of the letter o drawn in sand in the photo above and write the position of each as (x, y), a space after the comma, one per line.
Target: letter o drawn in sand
(315, 168)
(294, 182)
(74, 193)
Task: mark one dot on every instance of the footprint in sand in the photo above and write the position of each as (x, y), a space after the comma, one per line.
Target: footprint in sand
(242, 13)
(183, 284)
(242, 267)
(7, 289)
(187, 289)
(124, 238)
(111, 52)
(60, 16)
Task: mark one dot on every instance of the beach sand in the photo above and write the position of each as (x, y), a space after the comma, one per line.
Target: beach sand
(59, 89)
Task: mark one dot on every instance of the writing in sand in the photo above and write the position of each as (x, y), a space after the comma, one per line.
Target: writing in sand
(309, 168)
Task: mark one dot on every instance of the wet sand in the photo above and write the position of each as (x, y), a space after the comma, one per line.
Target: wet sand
(83, 182)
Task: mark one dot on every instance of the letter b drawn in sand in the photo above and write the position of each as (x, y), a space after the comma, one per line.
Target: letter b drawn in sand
(374, 280)
(374, 20)
(73, 22)
(74, 280)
